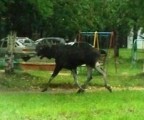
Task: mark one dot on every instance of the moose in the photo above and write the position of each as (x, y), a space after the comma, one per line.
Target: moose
(70, 57)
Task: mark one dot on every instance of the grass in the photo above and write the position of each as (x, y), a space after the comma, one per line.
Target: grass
(34, 80)
(21, 99)
(120, 105)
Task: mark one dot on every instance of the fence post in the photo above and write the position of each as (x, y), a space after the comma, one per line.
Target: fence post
(9, 56)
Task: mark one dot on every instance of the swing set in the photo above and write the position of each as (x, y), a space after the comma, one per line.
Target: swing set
(102, 41)
(94, 38)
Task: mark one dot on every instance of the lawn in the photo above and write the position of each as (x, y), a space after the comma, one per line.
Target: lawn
(100, 105)
(21, 99)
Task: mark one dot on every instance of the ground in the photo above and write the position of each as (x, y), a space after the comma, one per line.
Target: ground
(23, 82)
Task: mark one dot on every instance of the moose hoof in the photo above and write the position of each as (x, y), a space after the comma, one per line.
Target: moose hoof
(81, 91)
(109, 88)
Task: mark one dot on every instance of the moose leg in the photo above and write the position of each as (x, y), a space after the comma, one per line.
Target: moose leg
(98, 67)
(89, 76)
(55, 73)
(76, 81)
(74, 74)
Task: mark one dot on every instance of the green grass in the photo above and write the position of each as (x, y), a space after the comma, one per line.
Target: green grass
(34, 80)
(101, 105)
(21, 99)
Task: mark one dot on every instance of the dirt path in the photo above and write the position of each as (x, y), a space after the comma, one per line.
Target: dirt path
(72, 90)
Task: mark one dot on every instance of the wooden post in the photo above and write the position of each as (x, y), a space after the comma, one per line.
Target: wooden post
(9, 57)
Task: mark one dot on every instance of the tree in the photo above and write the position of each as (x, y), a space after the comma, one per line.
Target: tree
(25, 16)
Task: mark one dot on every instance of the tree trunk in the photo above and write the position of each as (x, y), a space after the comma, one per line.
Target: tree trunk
(116, 44)
(9, 60)
(9, 57)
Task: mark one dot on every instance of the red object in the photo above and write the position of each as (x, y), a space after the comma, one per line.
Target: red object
(38, 66)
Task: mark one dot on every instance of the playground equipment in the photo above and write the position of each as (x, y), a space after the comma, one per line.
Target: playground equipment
(138, 51)
(94, 38)
(102, 41)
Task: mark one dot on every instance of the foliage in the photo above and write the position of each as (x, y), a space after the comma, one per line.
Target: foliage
(65, 18)
(25, 16)
(43, 6)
